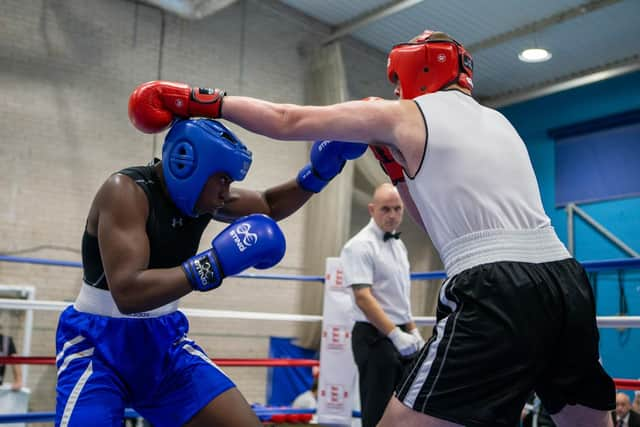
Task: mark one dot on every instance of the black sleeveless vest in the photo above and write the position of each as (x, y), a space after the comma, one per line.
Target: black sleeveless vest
(173, 237)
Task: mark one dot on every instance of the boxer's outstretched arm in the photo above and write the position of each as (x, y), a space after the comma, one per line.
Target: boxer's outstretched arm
(359, 121)
(395, 123)
(154, 105)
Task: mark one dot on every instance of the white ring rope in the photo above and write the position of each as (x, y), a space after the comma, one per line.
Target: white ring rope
(43, 305)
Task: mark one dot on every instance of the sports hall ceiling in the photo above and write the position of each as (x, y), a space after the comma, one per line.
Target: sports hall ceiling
(590, 40)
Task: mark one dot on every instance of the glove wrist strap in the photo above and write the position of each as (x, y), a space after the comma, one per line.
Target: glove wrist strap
(206, 102)
(203, 271)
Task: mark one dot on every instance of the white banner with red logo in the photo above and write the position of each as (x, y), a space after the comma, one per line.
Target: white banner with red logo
(338, 372)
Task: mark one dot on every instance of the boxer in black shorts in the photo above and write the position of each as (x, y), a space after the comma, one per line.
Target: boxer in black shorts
(510, 327)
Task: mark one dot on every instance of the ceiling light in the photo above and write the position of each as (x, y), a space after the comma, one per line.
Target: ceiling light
(534, 55)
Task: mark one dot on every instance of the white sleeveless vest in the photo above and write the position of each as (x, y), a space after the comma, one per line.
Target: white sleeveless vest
(476, 190)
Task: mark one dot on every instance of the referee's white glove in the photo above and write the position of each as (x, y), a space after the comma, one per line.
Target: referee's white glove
(406, 344)
(416, 333)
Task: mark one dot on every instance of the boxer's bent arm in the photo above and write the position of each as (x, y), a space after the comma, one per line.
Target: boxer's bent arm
(285, 199)
(371, 308)
(124, 249)
(277, 202)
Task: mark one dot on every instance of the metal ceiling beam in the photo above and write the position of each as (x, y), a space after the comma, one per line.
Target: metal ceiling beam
(628, 65)
(537, 26)
(532, 27)
(368, 18)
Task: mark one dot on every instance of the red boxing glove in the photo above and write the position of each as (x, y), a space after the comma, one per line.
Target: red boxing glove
(154, 105)
(388, 163)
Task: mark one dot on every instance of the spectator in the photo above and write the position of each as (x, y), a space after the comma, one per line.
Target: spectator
(307, 399)
(8, 348)
(623, 416)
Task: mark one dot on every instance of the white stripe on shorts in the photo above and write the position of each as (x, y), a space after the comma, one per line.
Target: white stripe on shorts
(424, 368)
(75, 393)
(444, 358)
(68, 344)
(197, 353)
(74, 356)
(201, 355)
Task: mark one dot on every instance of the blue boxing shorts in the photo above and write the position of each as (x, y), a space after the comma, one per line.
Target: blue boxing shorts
(106, 364)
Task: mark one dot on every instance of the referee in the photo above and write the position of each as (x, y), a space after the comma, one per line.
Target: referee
(376, 267)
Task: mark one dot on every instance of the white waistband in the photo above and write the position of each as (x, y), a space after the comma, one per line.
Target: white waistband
(99, 301)
(483, 247)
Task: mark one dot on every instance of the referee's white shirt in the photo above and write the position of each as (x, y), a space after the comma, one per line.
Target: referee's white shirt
(368, 260)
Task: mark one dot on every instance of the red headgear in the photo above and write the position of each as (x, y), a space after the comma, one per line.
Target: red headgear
(428, 63)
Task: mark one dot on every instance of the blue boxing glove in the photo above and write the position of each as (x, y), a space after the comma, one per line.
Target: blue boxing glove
(252, 241)
(327, 160)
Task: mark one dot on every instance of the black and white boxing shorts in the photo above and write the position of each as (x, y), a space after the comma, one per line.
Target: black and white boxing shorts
(506, 329)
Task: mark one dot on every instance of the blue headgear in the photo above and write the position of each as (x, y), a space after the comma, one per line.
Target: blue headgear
(195, 149)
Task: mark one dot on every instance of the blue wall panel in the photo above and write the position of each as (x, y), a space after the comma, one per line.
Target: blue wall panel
(601, 165)
(534, 119)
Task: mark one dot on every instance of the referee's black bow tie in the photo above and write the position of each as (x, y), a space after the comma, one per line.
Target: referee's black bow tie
(389, 235)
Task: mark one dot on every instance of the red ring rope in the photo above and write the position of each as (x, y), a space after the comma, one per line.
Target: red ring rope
(41, 360)
(624, 384)
(627, 384)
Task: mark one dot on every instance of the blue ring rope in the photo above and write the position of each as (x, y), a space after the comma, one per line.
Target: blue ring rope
(603, 265)
(31, 417)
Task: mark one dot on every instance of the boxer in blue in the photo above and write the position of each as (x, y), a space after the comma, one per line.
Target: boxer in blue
(124, 343)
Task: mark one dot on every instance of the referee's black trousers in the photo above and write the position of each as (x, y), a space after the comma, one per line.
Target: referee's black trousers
(380, 367)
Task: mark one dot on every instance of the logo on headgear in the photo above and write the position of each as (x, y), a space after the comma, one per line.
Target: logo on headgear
(243, 237)
(442, 57)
